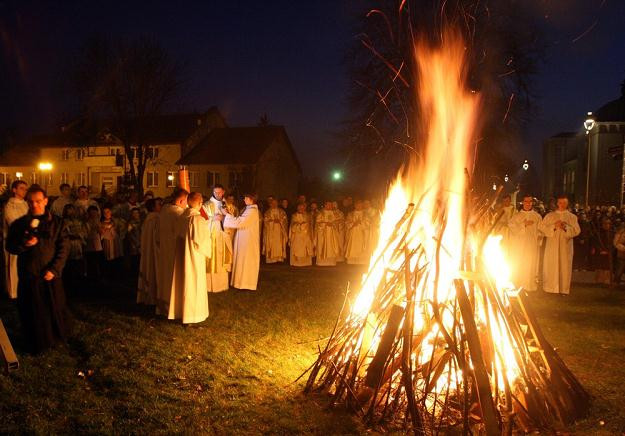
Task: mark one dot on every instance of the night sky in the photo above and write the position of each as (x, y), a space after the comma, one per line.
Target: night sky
(282, 58)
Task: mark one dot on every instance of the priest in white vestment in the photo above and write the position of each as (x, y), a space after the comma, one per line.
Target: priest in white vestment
(525, 238)
(340, 230)
(167, 237)
(326, 237)
(150, 255)
(189, 295)
(246, 262)
(300, 237)
(357, 227)
(374, 225)
(275, 233)
(559, 228)
(220, 261)
(15, 208)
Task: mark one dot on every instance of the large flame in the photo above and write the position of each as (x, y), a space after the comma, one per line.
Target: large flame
(436, 183)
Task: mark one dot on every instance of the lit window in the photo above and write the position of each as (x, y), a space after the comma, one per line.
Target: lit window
(171, 179)
(66, 153)
(80, 154)
(152, 179)
(81, 179)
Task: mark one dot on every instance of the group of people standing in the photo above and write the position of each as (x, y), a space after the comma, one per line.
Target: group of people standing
(327, 236)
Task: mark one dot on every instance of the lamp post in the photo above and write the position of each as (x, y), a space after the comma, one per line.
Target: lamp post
(589, 124)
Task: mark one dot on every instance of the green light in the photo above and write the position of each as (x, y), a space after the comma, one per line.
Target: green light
(337, 176)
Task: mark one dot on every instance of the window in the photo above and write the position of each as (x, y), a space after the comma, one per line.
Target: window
(212, 178)
(152, 152)
(115, 151)
(50, 178)
(107, 183)
(80, 154)
(171, 179)
(64, 178)
(152, 179)
(4, 178)
(33, 178)
(194, 179)
(81, 179)
(65, 154)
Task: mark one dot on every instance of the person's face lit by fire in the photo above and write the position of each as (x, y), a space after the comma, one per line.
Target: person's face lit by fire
(107, 213)
(218, 193)
(37, 203)
(20, 191)
(528, 203)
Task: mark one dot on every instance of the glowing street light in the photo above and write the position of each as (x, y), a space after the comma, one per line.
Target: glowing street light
(506, 178)
(45, 166)
(337, 175)
(170, 177)
(494, 186)
(589, 124)
(526, 165)
(19, 175)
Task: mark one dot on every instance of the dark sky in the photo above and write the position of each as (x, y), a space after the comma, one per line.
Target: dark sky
(282, 58)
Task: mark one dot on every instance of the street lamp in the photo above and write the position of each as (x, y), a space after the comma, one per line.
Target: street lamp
(506, 178)
(526, 165)
(337, 175)
(43, 167)
(494, 186)
(589, 124)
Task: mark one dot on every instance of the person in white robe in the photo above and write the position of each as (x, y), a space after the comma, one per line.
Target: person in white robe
(246, 262)
(340, 230)
(326, 236)
(374, 225)
(64, 199)
(15, 208)
(232, 209)
(524, 255)
(189, 294)
(275, 233)
(505, 213)
(357, 236)
(300, 237)
(167, 238)
(559, 228)
(150, 255)
(219, 263)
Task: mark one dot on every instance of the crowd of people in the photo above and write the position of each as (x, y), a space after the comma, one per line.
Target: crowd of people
(546, 244)
(180, 248)
(185, 246)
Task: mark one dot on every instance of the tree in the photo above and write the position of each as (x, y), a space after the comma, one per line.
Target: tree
(123, 87)
(504, 50)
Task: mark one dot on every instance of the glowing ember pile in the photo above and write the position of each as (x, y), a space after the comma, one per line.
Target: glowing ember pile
(438, 338)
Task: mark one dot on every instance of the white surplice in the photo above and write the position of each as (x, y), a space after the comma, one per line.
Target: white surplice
(373, 215)
(339, 223)
(246, 263)
(357, 238)
(189, 297)
(275, 235)
(326, 238)
(300, 239)
(149, 263)
(220, 261)
(558, 260)
(14, 209)
(525, 248)
(167, 237)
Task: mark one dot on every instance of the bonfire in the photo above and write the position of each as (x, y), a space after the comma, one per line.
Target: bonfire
(438, 339)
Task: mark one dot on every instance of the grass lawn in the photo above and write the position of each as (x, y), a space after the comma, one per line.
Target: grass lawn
(127, 371)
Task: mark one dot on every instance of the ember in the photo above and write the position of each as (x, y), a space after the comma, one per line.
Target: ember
(438, 337)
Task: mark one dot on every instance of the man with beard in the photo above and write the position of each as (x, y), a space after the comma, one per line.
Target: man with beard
(42, 249)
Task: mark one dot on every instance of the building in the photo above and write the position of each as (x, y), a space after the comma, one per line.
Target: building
(245, 159)
(242, 157)
(566, 164)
